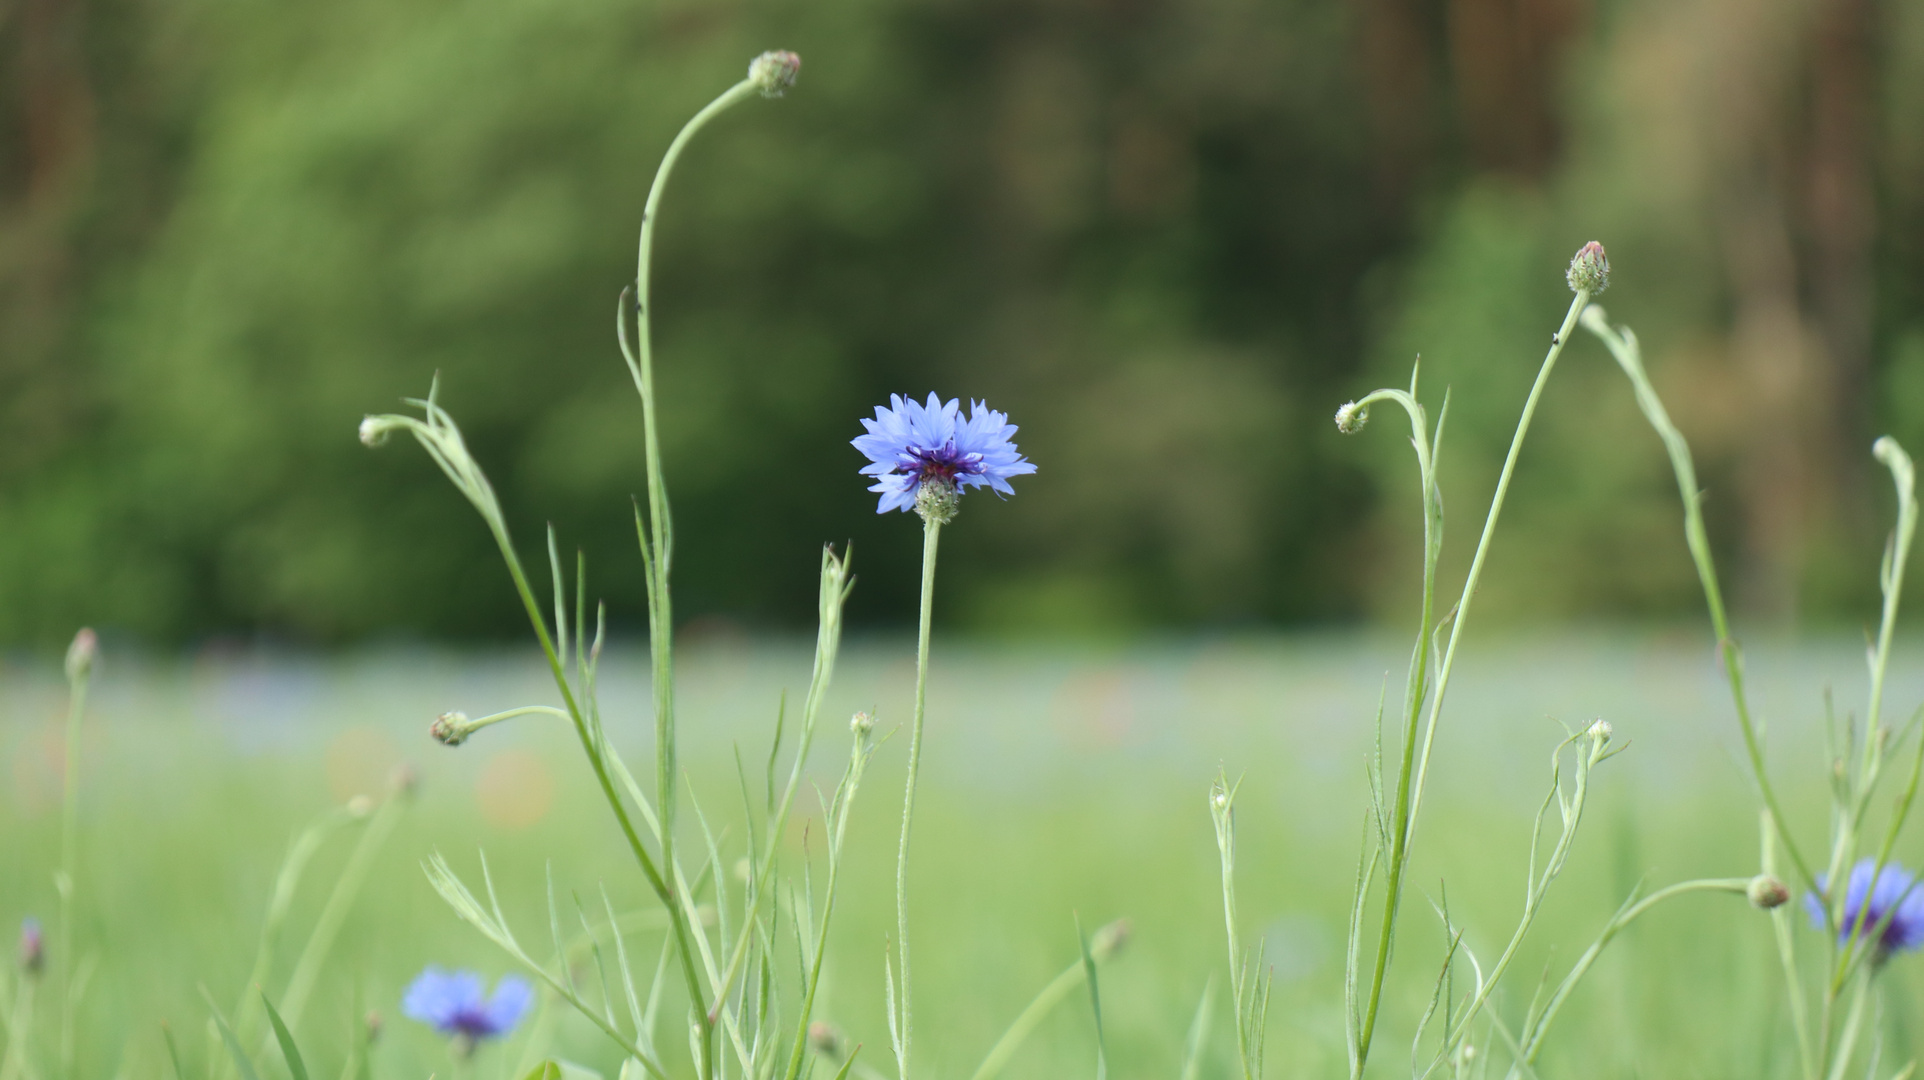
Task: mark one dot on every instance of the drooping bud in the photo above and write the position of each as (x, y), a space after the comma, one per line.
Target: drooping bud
(33, 947)
(374, 430)
(824, 1039)
(81, 655)
(450, 728)
(1351, 418)
(936, 500)
(1767, 892)
(1589, 270)
(774, 72)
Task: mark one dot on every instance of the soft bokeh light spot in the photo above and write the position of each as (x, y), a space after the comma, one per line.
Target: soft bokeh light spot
(515, 790)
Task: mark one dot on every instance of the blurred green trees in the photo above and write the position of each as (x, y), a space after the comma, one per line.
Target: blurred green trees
(1167, 236)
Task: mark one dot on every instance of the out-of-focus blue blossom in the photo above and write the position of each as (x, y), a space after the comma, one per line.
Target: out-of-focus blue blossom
(1896, 891)
(909, 445)
(33, 947)
(455, 1003)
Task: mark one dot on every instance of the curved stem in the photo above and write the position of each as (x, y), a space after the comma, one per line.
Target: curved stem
(1629, 356)
(658, 550)
(1533, 1038)
(1414, 696)
(931, 537)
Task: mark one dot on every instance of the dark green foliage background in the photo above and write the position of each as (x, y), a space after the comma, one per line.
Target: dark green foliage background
(1160, 235)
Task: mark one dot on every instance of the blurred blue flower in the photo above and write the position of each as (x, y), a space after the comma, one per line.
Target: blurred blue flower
(909, 445)
(1895, 891)
(453, 1002)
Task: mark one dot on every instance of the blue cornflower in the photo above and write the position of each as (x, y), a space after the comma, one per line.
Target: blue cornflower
(933, 452)
(1895, 891)
(453, 1002)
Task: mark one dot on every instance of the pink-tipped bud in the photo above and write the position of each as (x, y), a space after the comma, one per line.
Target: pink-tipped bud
(1589, 270)
(774, 72)
(81, 655)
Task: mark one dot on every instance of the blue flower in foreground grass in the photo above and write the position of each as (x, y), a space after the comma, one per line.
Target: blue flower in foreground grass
(922, 456)
(1896, 891)
(454, 1004)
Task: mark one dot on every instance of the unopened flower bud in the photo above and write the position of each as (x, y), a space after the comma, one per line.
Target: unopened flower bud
(450, 728)
(1589, 270)
(1600, 730)
(774, 72)
(33, 947)
(81, 655)
(1767, 892)
(1351, 418)
(374, 430)
(936, 500)
(825, 1040)
(1109, 939)
(861, 724)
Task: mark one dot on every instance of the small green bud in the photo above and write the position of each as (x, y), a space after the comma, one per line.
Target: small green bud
(1600, 730)
(861, 724)
(774, 72)
(1351, 418)
(81, 655)
(374, 430)
(450, 728)
(1589, 270)
(937, 501)
(1767, 892)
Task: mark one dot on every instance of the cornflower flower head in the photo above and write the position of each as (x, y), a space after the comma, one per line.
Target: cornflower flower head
(1895, 892)
(923, 456)
(454, 1004)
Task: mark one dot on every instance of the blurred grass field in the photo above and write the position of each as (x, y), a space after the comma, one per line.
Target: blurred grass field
(1060, 781)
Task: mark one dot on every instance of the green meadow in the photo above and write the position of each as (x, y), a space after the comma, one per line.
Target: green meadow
(1061, 782)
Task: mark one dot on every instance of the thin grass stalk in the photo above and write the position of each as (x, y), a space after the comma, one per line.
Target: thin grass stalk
(307, 969)
(931, 539)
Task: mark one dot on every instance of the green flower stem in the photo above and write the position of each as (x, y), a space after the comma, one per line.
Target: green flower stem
(1891, 578)
(1629, 356)
(1048, 998)
(931, 537)
(69, 867)
(657, 547)
(1409, 796)
(1413, 700)
(842, 803)
(1534, 1035)
(1853, 1023)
